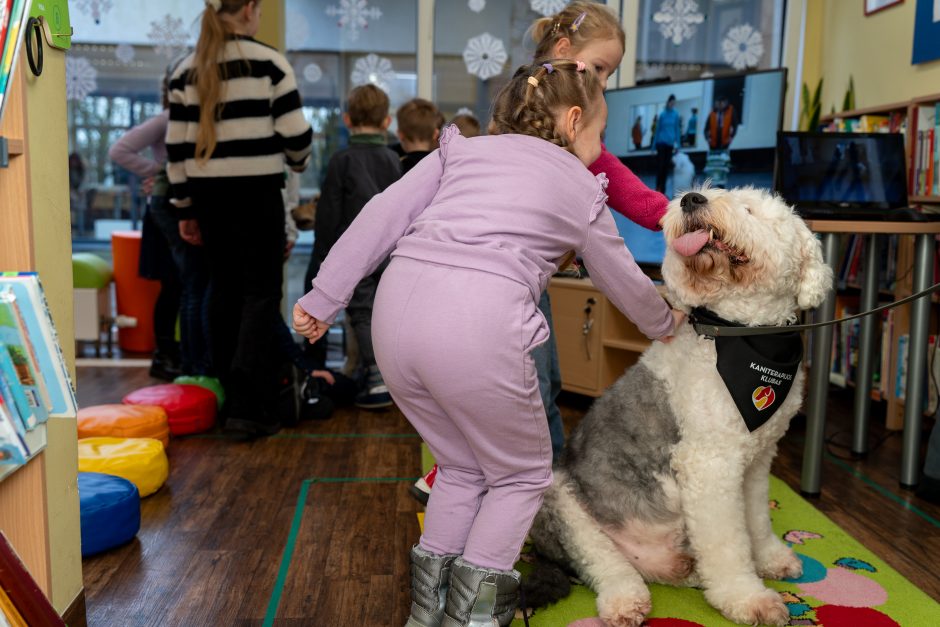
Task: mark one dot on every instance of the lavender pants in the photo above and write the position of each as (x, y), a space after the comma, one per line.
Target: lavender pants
(453, 345)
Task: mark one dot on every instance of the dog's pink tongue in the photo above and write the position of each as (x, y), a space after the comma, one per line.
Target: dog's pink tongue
(690, 243)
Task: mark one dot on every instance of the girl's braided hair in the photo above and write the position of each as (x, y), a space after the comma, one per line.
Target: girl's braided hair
(529, 102)
(580, 21)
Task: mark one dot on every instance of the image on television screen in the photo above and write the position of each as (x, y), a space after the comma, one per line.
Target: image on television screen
(727, 129)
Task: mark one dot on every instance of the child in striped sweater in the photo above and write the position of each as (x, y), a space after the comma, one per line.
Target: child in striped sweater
(235, 121)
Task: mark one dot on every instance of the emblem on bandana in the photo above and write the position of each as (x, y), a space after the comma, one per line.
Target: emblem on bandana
(763, 397)
(757, 370)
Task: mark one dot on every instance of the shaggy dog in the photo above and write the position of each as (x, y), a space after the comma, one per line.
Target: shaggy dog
(662, 480)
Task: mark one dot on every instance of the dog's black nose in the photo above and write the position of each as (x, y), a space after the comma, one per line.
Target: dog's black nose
(692, 201)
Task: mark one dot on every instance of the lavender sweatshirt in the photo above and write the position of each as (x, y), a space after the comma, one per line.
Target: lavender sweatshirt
(512, 205)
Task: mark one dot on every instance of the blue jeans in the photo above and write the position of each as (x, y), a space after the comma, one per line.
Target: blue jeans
(190, 261)
(546, 365)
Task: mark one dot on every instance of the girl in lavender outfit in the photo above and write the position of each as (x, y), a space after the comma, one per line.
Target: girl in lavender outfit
(475, 232)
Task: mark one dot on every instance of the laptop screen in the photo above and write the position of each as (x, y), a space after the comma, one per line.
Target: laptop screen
(841, 171)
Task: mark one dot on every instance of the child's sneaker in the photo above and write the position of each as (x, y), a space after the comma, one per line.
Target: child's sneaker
(375, 393)
(421, 489)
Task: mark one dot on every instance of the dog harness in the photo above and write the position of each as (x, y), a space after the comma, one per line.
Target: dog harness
(758, 370)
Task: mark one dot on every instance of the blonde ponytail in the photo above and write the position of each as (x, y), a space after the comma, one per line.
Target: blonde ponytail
(208, 71)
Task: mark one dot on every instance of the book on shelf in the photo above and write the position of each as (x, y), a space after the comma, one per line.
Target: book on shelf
(25, 367)
(9, 616)
(23, 591)
(13, 449)
(21, 294)
(931, 373)
(12, 392)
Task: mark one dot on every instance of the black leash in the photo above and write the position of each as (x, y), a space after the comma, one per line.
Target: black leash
(714, 330)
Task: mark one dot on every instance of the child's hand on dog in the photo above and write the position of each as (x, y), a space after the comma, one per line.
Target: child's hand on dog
(307, 325)
(678, 318)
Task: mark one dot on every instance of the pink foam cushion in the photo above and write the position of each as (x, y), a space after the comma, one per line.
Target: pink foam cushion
(189, 408)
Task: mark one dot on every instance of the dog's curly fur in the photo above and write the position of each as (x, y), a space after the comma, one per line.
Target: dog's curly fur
(662, 481)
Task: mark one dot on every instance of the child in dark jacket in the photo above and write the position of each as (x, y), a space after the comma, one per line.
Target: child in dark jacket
(354, 175)
(419, 127)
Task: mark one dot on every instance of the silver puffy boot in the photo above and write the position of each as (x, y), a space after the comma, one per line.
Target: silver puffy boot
(430, 577)
(480, 597)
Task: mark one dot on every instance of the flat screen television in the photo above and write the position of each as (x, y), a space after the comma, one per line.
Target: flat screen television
(834, 175)
(732, 148)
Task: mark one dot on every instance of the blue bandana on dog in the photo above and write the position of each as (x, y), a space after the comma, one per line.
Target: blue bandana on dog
(758, 370)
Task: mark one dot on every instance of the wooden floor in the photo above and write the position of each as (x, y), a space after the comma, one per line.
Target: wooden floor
(313, 526)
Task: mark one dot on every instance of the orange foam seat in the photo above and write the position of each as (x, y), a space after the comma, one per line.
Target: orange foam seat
(124, 421)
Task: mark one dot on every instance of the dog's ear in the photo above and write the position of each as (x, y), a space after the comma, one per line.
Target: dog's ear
(815, 274)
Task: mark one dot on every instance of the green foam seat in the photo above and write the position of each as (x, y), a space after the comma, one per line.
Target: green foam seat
(210, 383)
(90, 271)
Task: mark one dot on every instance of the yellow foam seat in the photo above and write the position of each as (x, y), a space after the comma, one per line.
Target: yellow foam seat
(142, 461)
(124, 421)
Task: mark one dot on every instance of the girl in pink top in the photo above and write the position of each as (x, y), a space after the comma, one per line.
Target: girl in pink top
(475, 231)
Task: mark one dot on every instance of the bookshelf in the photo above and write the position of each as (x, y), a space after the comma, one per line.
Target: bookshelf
(24, 515)
(909, 250)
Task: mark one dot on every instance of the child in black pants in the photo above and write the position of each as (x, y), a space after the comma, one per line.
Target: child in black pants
(354, 175)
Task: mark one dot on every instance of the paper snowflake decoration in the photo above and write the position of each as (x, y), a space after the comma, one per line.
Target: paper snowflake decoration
(742, 47)
(93, 8)
(124, 53)
(168, 36)
(476, 5)
(678, 19)
(354, 15)
(485, 56)
(547, 7)
(373, 69)
(81, 78)
(312, 73)
(298, 29)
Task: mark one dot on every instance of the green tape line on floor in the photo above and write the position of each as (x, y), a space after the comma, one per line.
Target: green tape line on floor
(288, 554)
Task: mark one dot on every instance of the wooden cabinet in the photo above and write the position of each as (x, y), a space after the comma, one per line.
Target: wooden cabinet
(596, 343)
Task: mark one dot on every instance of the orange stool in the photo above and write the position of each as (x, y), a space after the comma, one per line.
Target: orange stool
(124, 421)
(135, 296)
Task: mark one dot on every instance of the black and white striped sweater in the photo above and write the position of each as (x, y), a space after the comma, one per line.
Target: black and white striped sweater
(260, 127)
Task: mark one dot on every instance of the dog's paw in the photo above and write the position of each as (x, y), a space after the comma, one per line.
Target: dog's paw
(781, 563)
(623, 611)
(763, 608)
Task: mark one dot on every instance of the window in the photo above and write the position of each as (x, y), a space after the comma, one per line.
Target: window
(684, 39)
(335, 47)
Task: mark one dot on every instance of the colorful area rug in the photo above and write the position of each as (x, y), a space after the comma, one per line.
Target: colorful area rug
(843, 583)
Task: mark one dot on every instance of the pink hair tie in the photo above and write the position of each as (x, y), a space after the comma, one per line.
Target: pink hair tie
(548, 67)
(579, 66)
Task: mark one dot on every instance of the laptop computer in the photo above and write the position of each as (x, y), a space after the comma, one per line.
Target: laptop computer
(845, 176)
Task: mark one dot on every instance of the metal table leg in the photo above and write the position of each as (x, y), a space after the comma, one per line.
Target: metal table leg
(917, 361)
(866, 348)
(819, 379)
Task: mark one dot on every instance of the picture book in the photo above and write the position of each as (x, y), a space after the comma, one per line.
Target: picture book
(13, 449)
(9, 616)
(24, 290)
(13, 392)
(13, 16)
(20, 587)
(24, 370)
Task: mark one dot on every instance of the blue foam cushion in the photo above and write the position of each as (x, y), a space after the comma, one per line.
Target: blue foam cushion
(110, 511)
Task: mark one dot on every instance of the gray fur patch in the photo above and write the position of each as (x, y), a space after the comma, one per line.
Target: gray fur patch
(615, 453)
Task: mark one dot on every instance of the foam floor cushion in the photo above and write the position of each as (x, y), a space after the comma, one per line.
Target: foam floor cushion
(90, 271)
(141, 461)
(110, 511)
(124, 421)
(189, 408)
(210, 383)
